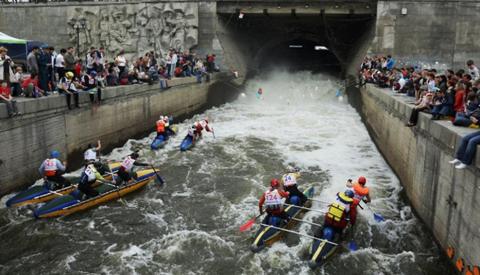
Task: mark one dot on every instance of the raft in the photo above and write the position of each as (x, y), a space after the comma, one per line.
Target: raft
(69, 204)
(267, 235)
(320, 251)
(160, 141)
(187, 143)
(38, 194)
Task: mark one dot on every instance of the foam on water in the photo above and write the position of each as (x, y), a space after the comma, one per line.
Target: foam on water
(190, 226)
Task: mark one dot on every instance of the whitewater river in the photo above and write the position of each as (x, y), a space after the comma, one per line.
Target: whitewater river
(190, 226)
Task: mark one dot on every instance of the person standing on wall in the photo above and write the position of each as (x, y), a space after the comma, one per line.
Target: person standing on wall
(60, 64)
(32, 62)
(69, 58)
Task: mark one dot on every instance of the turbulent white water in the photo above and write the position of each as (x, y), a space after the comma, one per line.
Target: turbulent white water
(191, 225)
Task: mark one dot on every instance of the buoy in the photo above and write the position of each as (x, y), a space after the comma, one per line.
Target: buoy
(450, 252)
(459, 264)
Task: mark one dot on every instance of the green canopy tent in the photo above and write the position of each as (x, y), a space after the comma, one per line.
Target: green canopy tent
(17, 48)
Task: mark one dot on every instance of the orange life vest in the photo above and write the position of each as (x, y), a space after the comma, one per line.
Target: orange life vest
(160, 126)
(360, 192)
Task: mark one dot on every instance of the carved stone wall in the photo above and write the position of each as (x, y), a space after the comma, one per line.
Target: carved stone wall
(135, 28)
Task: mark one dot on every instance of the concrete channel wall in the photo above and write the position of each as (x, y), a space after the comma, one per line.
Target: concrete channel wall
(445, 198)
(125, 112)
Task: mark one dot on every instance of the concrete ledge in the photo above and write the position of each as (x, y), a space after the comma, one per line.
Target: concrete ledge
(57, 102)
(445, 198)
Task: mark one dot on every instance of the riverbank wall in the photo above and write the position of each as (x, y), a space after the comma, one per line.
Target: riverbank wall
(445, 198)
(125, 112)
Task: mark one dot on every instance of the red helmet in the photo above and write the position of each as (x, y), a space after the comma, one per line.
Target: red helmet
(274, 183)
(362, 180)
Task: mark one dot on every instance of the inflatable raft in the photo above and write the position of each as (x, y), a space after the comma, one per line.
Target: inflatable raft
(187, 143)
(160, 141)
(38, 194)
(321, 250)
(69, 204)
(267, 234)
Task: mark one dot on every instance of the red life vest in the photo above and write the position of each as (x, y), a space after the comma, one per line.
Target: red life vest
(160, 126)
(50, 167)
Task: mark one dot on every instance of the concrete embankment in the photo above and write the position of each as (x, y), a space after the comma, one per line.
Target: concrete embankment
(445, 198)
(126, 112)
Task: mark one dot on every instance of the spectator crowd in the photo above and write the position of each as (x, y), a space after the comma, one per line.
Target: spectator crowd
(50, 72)
(448, 95)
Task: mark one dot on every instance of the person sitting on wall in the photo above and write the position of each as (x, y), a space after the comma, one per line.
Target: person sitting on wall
(466, 151)
(421, 105)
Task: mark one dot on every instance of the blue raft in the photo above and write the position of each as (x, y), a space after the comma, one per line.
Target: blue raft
(267, 235)
(160, 140)
(187, 143)
(322, 250)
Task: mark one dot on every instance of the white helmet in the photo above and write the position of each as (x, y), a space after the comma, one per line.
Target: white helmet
(161, 118)
(165, 118)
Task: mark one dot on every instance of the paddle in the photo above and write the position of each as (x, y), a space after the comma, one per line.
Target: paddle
(160, 180)
(246, 226)
(376, 217)
(300, 234)
(306, 208)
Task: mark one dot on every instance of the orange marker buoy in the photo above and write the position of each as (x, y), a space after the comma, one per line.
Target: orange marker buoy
(468, 271)
(450, 252)
(459, 264)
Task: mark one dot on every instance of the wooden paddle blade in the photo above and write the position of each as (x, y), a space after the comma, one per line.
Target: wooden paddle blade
(247, 225)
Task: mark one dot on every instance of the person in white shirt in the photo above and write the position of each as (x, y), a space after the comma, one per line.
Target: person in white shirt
(174, 63)
(121, 62)
(473, 70)
(60, 63)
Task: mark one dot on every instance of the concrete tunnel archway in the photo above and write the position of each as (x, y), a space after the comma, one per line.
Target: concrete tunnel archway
(263, 38)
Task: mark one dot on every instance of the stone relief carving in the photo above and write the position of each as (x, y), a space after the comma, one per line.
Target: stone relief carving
(135, 28)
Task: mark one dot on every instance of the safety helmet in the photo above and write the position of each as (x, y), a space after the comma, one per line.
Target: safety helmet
(349, 193)
(274, 183)
(69, 75)
(362, 180)
(160, 118)
(291, 169)
(93, 73)
(165, 118)
(54, 154)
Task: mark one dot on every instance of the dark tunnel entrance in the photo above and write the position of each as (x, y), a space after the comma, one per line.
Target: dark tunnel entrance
(325, 43)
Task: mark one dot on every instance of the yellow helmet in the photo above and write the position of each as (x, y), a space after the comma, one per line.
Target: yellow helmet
(69, 75)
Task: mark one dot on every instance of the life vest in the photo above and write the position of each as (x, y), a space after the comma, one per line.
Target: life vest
(50, 167)
(160, 126)
(360, 191)
(90, 154)
(338, 211)
(273, 200)
(127, 163)
(90, 173)
(289, 179)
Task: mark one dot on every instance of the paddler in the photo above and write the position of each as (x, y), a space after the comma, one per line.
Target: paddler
(200, 126)
(259, 93)
(125, 172)
(161, 125)
(52, 170)
(289, 181)
(272, 199)
(88, 177)
(91, 154)
(361, 193)
(168, 130)
(341, 212)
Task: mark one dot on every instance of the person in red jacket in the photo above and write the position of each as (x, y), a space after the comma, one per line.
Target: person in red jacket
(459, 105)
(272, 199)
